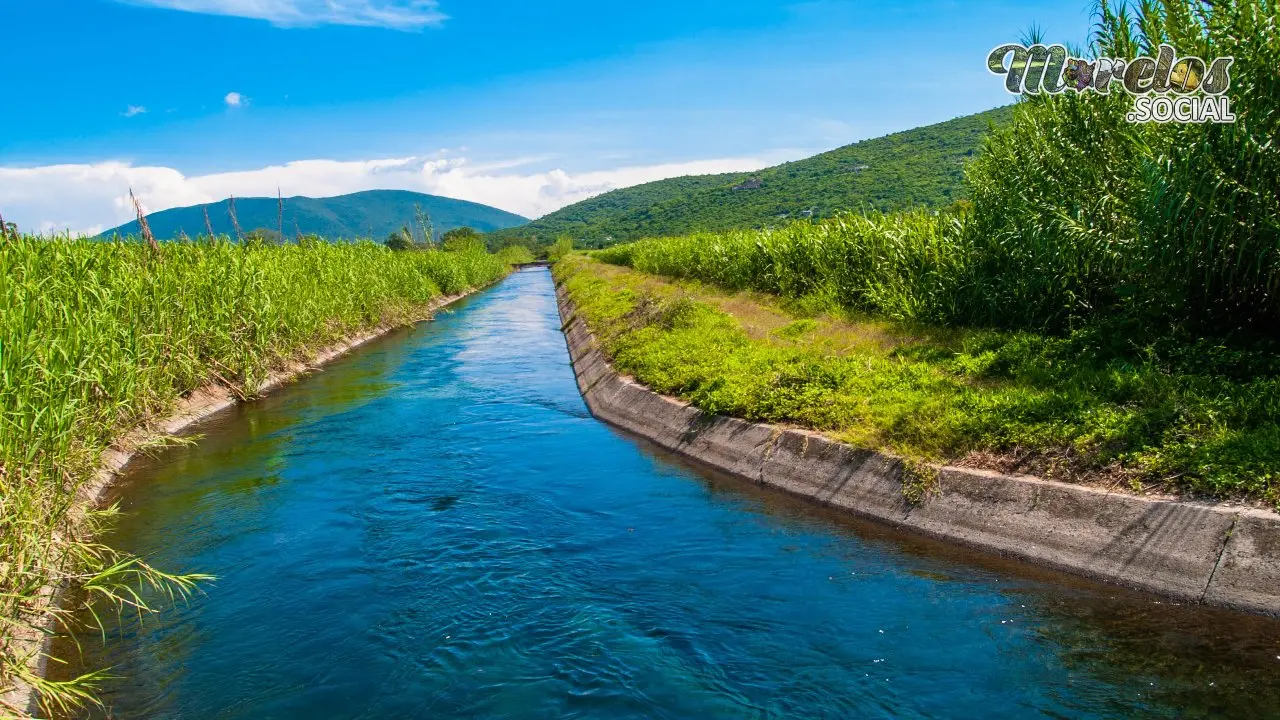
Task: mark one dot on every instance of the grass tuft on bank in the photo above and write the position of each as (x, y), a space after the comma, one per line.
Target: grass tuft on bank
(1190, 419)
(96, 338)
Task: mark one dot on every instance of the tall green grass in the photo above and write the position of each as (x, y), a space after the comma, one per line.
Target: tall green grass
(1076, 216)
(1077, 212)
(515, 254)
(1137, 267)
(98, 337)
(905, 266)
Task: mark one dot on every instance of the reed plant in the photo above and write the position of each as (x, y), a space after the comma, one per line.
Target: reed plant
(1076, 215)
(1077, 211)
(515, 254)
(560, 248)
(1118, 284)
(902, 265)
(97, 338)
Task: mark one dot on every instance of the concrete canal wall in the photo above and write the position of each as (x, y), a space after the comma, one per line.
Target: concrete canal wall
(1212, 553)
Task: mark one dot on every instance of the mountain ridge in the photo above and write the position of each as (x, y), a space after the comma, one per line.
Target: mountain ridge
(365, 214)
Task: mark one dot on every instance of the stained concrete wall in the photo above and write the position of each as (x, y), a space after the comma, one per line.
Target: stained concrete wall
(1190, 551)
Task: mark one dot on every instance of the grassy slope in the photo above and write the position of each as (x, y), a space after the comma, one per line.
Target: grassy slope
(589, 217)
(1059, 407)
(373, 213)
(920, 167)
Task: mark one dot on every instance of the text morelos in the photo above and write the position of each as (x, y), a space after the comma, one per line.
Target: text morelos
(1166, 88)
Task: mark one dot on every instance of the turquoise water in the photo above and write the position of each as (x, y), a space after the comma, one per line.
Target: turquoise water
(435, 527)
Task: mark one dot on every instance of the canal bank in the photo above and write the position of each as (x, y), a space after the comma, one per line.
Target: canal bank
(199, 405)
(1211, 553)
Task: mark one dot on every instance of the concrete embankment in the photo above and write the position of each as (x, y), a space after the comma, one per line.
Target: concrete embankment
(198, 405)
(1193, 552)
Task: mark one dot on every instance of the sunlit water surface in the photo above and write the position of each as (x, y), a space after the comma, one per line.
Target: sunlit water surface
(436, 527)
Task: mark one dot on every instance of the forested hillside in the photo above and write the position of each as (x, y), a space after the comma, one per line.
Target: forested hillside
(923, 167)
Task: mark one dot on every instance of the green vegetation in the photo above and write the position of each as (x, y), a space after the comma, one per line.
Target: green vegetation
(1182, 418)
(596, 217)
(463, 239)
(1077, 216)
(515, 255)
(559, 249)
(906, 266)
(403, 239)
(1077, 212)
(920, 482)
(918, 168)
(99, 337)
(370, 214)
(1129, 276)
(457, 234)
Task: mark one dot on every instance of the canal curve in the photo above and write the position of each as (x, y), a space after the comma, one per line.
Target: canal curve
(435, 527)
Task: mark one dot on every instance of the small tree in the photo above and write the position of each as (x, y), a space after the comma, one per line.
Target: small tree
(559, 249)
(462, 239)
(400, 239)
(263, 235)
(459, 233)
(521, 242)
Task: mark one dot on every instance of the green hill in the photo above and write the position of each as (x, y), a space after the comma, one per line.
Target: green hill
(373, 213)
(920, 167)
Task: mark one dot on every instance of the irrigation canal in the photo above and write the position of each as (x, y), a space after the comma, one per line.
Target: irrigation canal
(434, 527)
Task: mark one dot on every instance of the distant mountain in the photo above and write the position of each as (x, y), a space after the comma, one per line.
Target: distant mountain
(373, 213)
(923, 167)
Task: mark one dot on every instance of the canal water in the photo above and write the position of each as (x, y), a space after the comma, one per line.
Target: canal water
(435, 527)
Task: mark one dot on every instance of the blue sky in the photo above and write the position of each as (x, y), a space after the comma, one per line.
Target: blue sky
(527, 106)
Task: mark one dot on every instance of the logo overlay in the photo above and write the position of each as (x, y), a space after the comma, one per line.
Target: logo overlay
(1166, 88)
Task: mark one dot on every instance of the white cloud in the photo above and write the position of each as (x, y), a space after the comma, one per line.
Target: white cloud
(409, 15)
(88, 198)
(134, 110)
(235, 99)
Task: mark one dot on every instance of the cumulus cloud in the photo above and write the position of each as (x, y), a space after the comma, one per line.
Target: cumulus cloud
(235, 99)
(408, 15)
(88, 198)
(134, 110)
